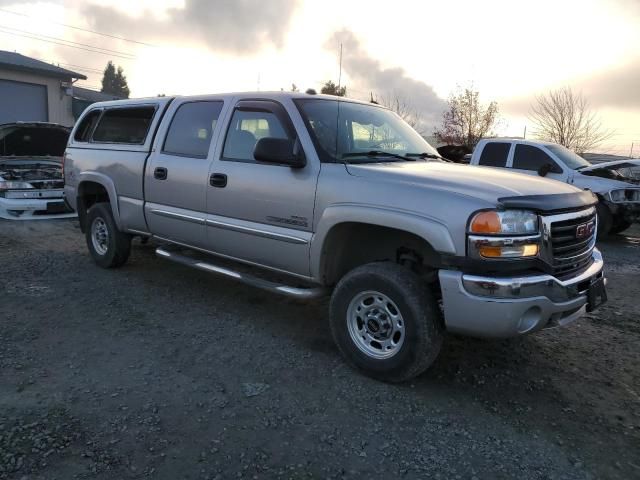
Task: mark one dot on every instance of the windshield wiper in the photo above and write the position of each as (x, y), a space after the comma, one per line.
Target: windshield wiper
(427, 155)
(376, 153)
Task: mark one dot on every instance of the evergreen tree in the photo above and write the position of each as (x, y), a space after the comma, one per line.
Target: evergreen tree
(114, 81)
(331, 88)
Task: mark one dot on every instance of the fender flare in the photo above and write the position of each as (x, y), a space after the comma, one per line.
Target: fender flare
(432, 230)
(109, 186)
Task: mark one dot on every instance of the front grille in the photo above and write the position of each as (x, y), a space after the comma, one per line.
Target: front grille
(47, 184)
(572, 238)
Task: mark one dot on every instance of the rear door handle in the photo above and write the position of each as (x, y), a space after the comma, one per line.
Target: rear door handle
(218, 180)
(160, 173)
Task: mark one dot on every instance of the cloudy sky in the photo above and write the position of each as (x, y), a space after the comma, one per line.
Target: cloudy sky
(510, 51)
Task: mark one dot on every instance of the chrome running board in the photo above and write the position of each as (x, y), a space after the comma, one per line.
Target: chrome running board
(206, 266)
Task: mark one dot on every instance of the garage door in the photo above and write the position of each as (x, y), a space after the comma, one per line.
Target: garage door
(22, 102)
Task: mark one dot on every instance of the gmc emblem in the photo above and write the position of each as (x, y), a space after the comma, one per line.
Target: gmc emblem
(585, 230)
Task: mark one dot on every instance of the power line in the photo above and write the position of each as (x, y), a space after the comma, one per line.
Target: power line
(124, 39)
(39, 36)
(90, 48)
(65, 45)
(79, 67)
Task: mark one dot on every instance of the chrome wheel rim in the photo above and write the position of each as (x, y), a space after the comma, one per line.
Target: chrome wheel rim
(375, 324)
(100, 236)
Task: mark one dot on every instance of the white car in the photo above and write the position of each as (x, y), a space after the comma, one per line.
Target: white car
(31, 180)
(617, 183)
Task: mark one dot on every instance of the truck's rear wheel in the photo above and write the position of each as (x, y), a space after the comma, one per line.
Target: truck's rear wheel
(108, 246)
(386, 321)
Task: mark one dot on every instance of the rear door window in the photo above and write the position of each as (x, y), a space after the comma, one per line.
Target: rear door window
(495, 154)
(528, 157)
(83, 132)
(128, 125)
(191, 129)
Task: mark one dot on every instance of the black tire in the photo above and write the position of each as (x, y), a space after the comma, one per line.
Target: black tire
(421, 319)
(605, 220)
(117, 245)
(619, 227)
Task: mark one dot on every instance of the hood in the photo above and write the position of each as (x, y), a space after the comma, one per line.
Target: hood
(484, 183)
(615, 165)
(34, 140)
(619, 173)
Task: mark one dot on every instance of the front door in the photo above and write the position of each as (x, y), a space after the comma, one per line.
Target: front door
(177, 174)
(529, 159)
(258, 212)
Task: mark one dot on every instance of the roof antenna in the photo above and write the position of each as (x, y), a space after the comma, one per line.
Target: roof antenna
(340, 71)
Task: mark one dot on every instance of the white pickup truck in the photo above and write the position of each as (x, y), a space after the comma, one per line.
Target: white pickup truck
(617, 184)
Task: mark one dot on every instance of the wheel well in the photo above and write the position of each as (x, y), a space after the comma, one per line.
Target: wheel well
(89, 193)
(349, 245)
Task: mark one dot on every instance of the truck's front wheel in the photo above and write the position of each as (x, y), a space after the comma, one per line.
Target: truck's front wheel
(386, 321)
(108, 246)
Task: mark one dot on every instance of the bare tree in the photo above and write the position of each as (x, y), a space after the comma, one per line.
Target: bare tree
(399, 103)
(564, 117)
(467, 120)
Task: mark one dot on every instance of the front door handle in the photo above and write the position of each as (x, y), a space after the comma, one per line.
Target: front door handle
(160, 173)
(218, 180)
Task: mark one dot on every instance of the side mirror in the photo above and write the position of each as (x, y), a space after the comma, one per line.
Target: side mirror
(281, 151)
(545, 169)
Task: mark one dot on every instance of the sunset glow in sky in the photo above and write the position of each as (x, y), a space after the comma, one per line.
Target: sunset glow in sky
(509, 50)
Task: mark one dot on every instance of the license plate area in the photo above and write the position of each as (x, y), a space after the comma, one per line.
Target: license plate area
(56, 207)
(596, 294)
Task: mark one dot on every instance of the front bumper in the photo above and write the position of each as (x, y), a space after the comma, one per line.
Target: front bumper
(499, 307)
(52, 205)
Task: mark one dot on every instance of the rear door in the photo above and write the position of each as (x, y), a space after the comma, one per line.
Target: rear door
(176, 177)
(261, 213)
(495, 154)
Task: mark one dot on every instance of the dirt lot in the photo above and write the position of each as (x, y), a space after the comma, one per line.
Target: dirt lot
(158, 371)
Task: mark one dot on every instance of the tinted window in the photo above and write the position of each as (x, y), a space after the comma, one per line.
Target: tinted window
(344, 128)
(495, 154)
(570, 159)
(83, 132)
(124, 125)
(191, 129)
(527, 157)
(246, 128)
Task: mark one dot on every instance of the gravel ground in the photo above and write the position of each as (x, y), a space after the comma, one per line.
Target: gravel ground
(157, 371)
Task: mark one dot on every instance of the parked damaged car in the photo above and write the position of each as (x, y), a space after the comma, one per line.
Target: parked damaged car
(31, 179)
(617, 183)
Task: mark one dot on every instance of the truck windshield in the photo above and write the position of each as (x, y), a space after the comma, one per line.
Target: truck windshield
(346, 131)
(570, 159)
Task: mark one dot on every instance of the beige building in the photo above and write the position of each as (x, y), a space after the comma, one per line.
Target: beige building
(35, 91)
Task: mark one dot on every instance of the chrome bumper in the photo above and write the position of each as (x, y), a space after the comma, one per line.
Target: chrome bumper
(511, 306)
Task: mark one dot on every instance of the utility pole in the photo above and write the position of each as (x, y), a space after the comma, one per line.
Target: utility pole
(340, 71)
(525, 132)
(631, 151)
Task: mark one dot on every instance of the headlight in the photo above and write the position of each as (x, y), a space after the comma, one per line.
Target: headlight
(8, 185)
(625, 195)
(508, 222)
(504, 234)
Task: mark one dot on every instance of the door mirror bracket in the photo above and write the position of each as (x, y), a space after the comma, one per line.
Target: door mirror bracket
(545, 169)
(280, 151)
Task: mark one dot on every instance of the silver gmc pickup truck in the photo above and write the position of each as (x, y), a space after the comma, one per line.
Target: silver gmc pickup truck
(308, 195)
